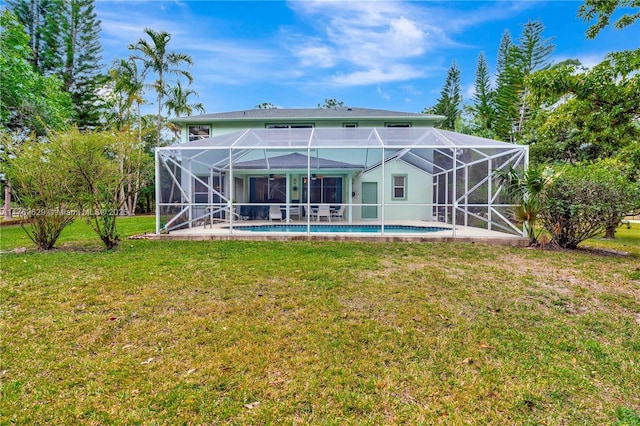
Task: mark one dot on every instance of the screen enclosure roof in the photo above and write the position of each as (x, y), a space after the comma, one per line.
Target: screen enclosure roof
(360, 137)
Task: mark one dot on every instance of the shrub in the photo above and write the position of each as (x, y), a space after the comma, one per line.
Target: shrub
(525, 188)
(585, 199)
(40, 187)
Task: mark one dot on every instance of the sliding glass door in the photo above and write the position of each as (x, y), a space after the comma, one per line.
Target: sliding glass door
(324, 190)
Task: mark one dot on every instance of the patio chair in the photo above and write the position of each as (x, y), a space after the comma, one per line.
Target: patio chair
(295, 211)
(324, 210)
(275, 213)
(338, 213)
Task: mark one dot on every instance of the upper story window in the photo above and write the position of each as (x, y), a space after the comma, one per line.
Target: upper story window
(288, 126)
(399, 187)
(397, 125)
(199, 132)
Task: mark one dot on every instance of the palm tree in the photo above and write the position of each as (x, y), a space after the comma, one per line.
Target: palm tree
(157, 59)
(525, 188)
(178, 102)
(130, 84)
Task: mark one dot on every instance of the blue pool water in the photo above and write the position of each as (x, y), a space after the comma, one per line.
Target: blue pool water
(341, 228)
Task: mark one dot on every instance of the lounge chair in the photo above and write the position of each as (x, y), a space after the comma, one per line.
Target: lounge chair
(324, 210)
(275, 213)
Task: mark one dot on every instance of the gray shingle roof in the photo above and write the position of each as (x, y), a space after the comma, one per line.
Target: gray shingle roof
(305, 113)
(293, 161)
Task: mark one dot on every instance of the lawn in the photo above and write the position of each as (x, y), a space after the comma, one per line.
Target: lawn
(229, 332)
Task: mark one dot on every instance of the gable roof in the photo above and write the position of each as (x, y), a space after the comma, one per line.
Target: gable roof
(342, 113)
(293, 161)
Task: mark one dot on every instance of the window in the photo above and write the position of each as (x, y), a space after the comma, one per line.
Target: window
(288, 126)
(323, 189)
(199, 132)
(202, 194)
(267, 189)
(397, 125)
(349, 125)
(399, 187)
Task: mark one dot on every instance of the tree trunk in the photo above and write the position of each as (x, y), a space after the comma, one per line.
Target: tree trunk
(160, 93)
(7, 200)
(610, 232)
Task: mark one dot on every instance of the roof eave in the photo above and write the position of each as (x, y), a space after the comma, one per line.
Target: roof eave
(198, 120)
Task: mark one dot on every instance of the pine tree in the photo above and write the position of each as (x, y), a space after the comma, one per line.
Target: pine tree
(41, 20)
(81, 62)
(515, 63)
(482, 106)
(503, 51)
(450, 99)
(505, 96)
(532, 54)
(64, 36)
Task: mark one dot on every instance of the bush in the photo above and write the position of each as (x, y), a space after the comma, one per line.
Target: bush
(40, 187)
(585, 199)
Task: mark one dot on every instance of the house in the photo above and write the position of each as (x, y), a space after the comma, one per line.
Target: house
(208, 125)
(366, 165)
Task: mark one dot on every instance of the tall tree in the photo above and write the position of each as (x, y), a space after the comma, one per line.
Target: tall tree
(81, 61)
(156, 58)
(64, 37)
(29, 102)
(41, 20)
(450, 99)
(178, 101)
(178, 104)
(531, 53)
(483, 95)
(505, 93)
(128, 88)
(601, 11)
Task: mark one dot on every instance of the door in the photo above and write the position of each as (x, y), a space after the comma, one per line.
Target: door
(369, 196)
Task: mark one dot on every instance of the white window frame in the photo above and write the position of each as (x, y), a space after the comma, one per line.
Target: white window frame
(403, 186)
(196, 137)
(288, 126)
(399, 124)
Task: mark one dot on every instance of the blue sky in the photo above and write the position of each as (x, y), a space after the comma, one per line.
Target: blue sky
(374, 54)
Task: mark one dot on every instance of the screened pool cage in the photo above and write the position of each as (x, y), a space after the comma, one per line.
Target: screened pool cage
(329, 180)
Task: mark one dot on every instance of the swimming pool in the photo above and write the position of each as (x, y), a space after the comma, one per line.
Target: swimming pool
(407, 229)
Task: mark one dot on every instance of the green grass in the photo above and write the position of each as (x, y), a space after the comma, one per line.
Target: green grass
(317, 332)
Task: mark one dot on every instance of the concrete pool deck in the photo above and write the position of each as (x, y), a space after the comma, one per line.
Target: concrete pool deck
(221, 231)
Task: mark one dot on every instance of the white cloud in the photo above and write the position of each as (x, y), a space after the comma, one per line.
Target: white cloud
(468, 92)
(409, 89)
(373, 42)
(316, 56)
(215, 61)
(392, 73)
(330, 44)
(382, 94)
